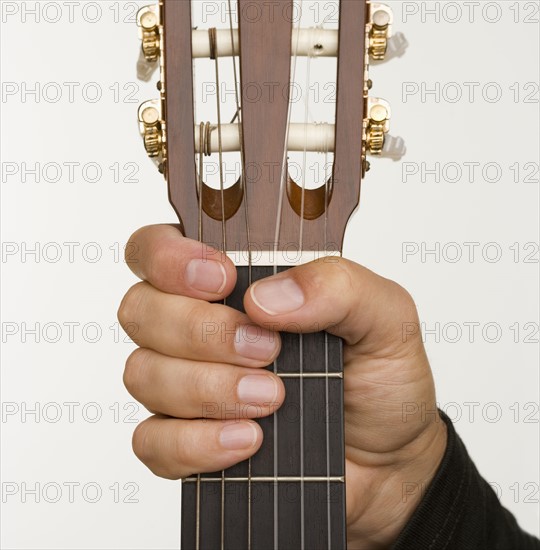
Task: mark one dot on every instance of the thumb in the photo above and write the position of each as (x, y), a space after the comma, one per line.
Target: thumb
(341, 297)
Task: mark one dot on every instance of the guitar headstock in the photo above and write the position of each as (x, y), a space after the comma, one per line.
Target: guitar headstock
(263, 47)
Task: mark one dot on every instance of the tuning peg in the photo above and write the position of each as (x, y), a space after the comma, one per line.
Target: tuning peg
(148, 21)
(151, 127)
(378, 142)
(381, 19)
(378, 124)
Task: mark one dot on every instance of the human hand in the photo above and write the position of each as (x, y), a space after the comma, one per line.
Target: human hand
(176, 370)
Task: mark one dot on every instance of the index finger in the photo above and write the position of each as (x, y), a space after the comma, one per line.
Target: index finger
(162, 256)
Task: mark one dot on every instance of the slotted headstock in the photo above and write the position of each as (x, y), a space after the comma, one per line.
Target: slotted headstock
(267, 207)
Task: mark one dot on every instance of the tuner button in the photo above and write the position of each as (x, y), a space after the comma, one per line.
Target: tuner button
(378, 113)
(149, 22)
(151, 128)
(381, 21)
(378, 124)
(150, 116)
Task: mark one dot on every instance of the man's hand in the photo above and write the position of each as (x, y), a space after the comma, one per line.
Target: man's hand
(394, 437)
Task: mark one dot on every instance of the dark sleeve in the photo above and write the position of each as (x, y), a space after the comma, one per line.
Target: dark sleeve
(460, 510)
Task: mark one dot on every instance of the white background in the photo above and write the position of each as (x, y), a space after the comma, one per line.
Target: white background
(498, 44)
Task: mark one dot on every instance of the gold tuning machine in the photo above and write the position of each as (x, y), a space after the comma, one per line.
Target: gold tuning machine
(152, 129)
(378, 124)
(380, 30)
(381, 44)
(148, 20)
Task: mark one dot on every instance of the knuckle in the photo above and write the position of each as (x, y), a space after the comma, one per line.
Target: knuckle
(209, 387)
(201, 384)
(142, 442)
(165, 263)
(404, 302)
(202, 327)
(135, 372)
(184, 448)
(144, 446)
(327, 276)
(129, 309)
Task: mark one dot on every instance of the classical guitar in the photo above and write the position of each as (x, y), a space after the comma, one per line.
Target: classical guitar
(269, 217)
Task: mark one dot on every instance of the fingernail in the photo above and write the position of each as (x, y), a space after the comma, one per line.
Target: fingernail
(255, 342)
(240, 435)
(206, 275)
(257, 388)
(277, 296)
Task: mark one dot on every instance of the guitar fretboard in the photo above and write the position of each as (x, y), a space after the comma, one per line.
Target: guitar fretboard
(291, 494)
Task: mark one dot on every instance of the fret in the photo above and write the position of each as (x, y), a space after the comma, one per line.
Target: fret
(310, 374)
(266, 479)
(316, 498)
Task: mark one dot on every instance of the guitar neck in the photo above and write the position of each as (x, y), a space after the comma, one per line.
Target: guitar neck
(291, 493)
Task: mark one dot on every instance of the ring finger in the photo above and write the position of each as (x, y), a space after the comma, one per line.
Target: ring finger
(191, 389)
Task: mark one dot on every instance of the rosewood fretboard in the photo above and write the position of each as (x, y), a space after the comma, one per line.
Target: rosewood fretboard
(291, 495)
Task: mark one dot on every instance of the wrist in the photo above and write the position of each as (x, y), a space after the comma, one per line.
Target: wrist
(398, 489)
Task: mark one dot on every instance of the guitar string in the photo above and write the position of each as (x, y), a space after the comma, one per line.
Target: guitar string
(324, 150)
(214, 54)
(301, 336)
(329, 185)
(279, 214)
(327, 378)
(238, 115)
(200, 235)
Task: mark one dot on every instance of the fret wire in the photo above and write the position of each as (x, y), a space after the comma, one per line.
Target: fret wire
(310, 374)
(268, 479)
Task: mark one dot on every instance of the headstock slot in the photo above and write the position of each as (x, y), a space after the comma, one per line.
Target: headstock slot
(265, 66)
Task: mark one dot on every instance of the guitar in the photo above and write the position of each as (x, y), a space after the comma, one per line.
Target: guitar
(291, 493)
